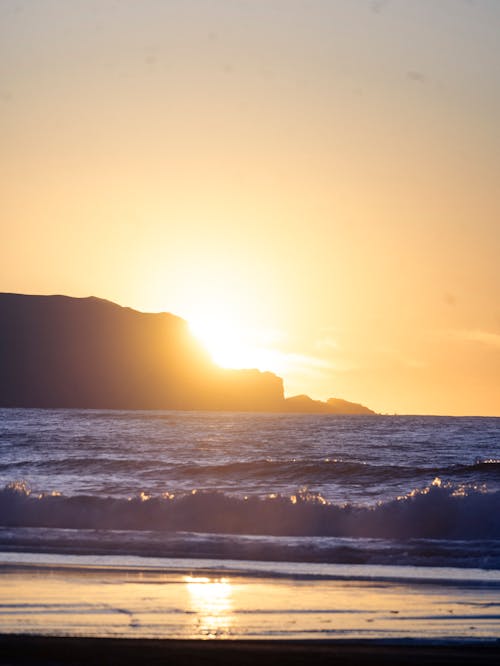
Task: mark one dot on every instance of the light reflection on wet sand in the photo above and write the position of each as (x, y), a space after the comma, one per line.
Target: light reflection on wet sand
(150, 604)
(211, 601)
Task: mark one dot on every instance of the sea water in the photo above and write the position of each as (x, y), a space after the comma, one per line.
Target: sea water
(238, 525)
(375, 490)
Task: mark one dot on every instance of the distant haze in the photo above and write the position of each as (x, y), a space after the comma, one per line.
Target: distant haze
(323, 176)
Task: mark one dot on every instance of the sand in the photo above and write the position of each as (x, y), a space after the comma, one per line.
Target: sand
(57, 613)
(53, 651)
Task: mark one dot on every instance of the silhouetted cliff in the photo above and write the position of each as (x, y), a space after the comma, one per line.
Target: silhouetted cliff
(58, 351)
(303, 403)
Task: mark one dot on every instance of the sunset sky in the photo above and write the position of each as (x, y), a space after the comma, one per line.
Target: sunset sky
(313, 184)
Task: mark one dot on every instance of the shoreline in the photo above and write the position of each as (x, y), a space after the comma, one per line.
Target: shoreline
(272, 570)
(189, 603)
(65, 651)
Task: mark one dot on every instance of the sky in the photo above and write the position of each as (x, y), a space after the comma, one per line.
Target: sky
(312, 184)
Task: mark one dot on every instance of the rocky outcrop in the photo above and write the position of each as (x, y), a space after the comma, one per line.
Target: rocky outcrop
(303, 403)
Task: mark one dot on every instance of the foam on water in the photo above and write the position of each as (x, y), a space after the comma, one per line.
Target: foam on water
(416, 528)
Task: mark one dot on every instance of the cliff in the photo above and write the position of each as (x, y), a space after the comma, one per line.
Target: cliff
(58, 351)
(303, 403)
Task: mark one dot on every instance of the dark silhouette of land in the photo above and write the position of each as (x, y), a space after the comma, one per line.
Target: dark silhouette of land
(58, 351)
(303, 403)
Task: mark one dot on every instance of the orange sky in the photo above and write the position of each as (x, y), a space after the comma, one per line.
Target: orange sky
(319, 176)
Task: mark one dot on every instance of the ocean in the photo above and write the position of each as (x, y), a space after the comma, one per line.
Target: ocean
(339, 489)
(311, 497)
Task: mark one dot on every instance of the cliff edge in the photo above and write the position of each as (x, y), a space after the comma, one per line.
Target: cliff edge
(59, 351)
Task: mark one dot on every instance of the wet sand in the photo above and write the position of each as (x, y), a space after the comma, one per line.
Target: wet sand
(189, 604)
(58, 614)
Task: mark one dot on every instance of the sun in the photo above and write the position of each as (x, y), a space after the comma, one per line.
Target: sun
(233, 345)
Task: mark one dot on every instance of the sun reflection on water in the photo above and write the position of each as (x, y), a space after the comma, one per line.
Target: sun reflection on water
(211, 600)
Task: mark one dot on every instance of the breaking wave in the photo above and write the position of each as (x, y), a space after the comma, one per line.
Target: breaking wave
(438, 511)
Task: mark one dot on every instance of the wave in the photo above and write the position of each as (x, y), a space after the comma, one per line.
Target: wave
(278, 470)
(119, 544)
(439, 511)
(486, 464)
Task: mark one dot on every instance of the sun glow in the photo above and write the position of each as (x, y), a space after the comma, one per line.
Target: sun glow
(236, 346)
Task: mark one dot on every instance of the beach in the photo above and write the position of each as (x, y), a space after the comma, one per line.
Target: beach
(70, 611)
(49, 651)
